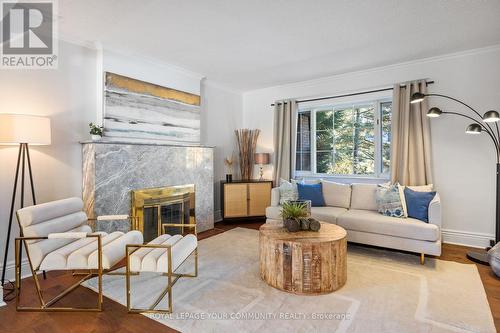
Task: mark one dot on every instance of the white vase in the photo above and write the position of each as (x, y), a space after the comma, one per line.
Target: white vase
(96, 137)
(494, 259)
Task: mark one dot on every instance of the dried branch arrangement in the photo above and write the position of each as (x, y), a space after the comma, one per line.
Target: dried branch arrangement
(247, 143)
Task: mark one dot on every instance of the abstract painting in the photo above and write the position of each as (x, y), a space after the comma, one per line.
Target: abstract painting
(143, 111)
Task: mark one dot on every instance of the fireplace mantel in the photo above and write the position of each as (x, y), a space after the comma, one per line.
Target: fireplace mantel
(111, 170)
(137, 143)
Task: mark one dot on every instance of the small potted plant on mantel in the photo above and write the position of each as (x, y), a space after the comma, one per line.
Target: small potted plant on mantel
(296, 217)
(95, 132)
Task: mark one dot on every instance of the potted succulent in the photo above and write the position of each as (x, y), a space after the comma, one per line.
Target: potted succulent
(95, 131)
(295, 216)
(291, 213)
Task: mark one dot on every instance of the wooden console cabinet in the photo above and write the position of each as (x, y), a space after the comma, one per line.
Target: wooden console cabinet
(245, 198)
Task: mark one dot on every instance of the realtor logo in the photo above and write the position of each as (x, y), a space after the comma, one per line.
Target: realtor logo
(27, 38)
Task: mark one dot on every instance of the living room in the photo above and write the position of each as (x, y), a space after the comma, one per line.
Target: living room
(247, 166)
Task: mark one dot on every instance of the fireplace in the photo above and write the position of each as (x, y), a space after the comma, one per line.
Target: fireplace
(156, 207)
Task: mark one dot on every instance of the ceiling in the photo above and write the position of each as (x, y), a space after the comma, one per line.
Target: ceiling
(251, 44)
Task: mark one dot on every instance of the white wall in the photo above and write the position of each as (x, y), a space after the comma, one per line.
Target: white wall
(464, 166)
(67, 96)
(222, 113)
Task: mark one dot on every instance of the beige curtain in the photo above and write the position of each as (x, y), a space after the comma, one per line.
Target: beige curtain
(411, 138)
(284, 139)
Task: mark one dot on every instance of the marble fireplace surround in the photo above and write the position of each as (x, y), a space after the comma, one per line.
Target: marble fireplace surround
(112, 169)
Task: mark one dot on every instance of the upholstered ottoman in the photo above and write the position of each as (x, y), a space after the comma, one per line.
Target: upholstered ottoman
(162, 255)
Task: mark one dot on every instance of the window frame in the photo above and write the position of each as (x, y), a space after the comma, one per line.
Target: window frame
(313, 109)
(302, 151)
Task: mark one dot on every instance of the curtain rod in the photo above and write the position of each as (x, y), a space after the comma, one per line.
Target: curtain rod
(347, 95)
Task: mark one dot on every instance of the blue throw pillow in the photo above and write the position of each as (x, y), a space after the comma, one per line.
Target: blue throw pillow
(313, 192)
(417, 204)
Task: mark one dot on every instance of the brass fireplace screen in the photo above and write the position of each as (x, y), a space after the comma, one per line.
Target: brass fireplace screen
(155, 207)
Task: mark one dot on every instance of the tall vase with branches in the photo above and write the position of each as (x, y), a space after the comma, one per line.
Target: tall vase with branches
(247, 143)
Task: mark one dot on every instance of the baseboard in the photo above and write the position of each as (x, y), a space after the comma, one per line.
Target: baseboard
(467, 238)
(11, 269)
(218, 215)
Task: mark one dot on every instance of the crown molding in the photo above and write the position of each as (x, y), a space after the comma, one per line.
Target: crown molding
(75, 41)
(97, 46)
(215, 84)
(340, 76)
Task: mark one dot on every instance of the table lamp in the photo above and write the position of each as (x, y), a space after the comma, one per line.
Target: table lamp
(22, 130)
(261, 159)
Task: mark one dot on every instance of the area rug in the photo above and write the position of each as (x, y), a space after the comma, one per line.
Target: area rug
(386, 291)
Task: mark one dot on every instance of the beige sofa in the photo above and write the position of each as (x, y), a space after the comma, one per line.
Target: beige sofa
(354, 208)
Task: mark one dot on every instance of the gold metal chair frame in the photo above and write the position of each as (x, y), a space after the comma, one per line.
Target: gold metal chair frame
(46, 306)
(131, 248)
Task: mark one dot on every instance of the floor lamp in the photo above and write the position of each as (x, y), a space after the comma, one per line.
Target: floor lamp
(480, 124)
(22, 130)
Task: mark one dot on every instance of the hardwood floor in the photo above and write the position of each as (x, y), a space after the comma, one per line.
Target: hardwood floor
(491, 282)
(115, 318)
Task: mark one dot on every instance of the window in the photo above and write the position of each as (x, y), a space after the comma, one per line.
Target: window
(345, 140)
(386, 116)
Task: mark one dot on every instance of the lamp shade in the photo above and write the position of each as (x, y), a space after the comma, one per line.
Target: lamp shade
(262, 158)
(21, 128)
(473, 129)
(491, 116)
(434, 112)
(417, 98)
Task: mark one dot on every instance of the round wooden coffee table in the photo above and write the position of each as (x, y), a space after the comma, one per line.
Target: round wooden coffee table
(304, 262)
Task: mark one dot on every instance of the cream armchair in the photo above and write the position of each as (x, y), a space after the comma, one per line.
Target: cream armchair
(57, 236)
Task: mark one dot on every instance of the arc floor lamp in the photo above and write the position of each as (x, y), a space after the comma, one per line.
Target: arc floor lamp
(480, 124)
(22, 130)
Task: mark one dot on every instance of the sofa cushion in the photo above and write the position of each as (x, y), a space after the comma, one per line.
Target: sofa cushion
(335, 194)
(373, 222)
(324, 214)
(327, 214)
(363, 196)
